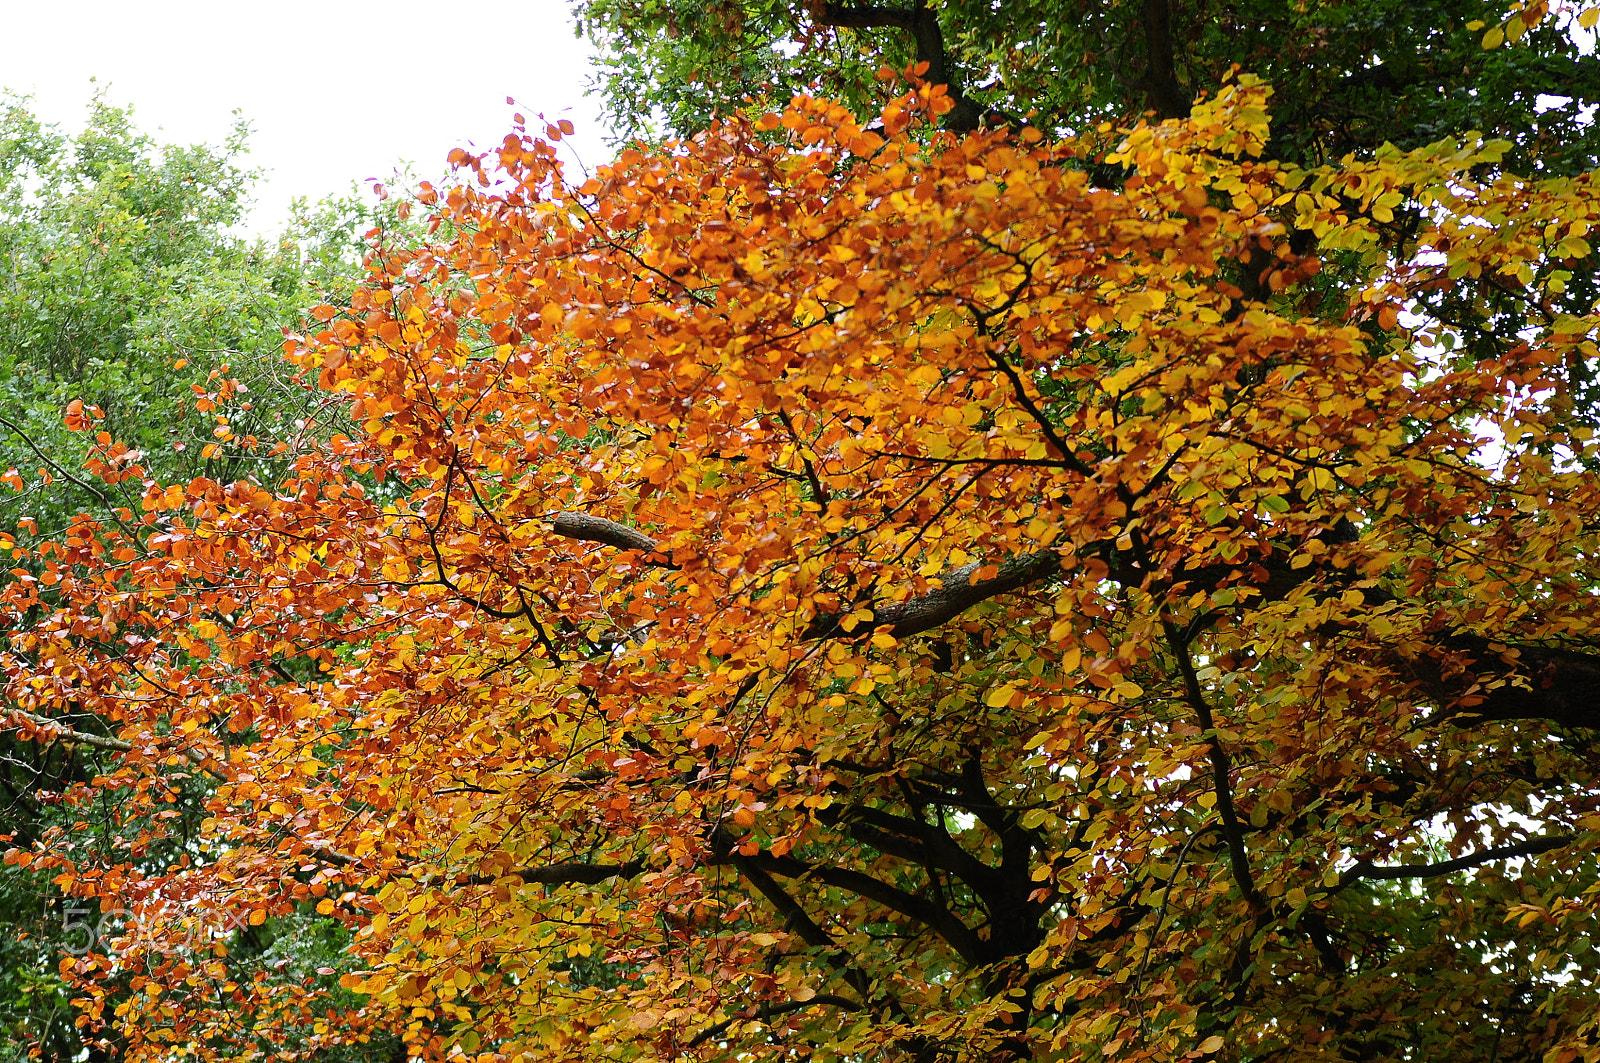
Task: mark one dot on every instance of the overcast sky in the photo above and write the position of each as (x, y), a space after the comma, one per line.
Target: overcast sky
(337, 91)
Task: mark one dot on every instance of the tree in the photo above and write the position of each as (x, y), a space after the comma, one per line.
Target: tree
(1349, 78)
(129, 305)
(817, 593)
(1350, 75)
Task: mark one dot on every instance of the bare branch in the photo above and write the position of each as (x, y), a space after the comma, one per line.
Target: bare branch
(579, 874)
(56, 729)
(600, 530)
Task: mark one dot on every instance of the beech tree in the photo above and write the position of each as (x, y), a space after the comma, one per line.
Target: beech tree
(1350, 75)
(845, 593)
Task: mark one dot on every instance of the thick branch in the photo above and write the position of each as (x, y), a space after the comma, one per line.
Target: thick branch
(55, 729)
(860, 18)
(795, 919)
(940, 920)
(599, 530)
(919, 842)
(958, 592)
(1531, 847)
(1017, 843)
(1563, 685)
(923, 23)
(579, 874)
(771, 1011)
(797, 922)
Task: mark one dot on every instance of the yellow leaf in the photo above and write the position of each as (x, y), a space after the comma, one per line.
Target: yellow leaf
(1000, 697)
(1211, 1044)
(1494, 38)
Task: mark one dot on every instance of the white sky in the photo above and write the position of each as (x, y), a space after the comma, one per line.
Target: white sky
(337, 91)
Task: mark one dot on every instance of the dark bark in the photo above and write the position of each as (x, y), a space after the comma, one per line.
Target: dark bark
(1167, 97)
(923, 24)
(1563, 686)
(958, 591)
(941, 921)
(1532, 847)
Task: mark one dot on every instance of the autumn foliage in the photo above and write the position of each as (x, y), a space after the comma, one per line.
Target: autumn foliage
(829, 593)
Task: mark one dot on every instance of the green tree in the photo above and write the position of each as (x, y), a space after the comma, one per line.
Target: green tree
(1350, 75)
(129, 302)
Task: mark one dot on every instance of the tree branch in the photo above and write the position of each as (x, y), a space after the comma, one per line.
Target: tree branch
(59, 732)
(66, 734)
(1221, 768)
(1531, 847)
(941, 921)
(797, 922)
(958, 592)
(923, 23)
(1017, 843)
(1563, 685)
(599, 530)
(770, 1011)
(65, 474)
(573, 874)
(922, 843)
